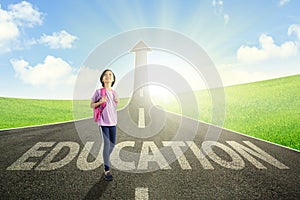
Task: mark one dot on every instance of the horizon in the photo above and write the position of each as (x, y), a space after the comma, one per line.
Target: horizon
(43, 47)
(155, 95)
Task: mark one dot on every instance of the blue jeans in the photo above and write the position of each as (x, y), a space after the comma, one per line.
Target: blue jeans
(109, 140)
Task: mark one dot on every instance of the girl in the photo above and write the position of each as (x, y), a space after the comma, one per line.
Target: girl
(108, 119)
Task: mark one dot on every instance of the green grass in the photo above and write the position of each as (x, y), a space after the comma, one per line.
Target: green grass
(17, 112)
(27, 112)
(268, 110)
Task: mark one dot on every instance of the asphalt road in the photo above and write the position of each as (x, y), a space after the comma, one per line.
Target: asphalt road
(159, 155)
(223, 175)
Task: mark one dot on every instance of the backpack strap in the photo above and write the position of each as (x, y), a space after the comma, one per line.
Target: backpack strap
(103, 92)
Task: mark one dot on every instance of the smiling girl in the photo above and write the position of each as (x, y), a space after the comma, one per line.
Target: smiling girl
(108, 120)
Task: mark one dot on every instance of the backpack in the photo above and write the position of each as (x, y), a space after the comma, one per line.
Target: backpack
(98, 110)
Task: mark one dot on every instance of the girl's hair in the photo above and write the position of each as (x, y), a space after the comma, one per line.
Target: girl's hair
(102, 75)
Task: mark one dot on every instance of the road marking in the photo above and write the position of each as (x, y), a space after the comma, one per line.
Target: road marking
(141, 118)
(141, 193)
(236, 162)
(151, 153)
(175, 145)
(47, 159)
(23, 164)
(115, 157)
(257, 152)
(201, 157)
(48, 164)
(82, 160)
(141, 93)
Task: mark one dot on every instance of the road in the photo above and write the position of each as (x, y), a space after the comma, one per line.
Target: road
(46, 163)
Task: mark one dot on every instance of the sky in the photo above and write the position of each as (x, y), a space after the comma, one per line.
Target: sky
(43, 44)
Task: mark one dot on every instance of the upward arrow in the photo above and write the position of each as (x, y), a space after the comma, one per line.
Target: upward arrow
(140, 46)
(140, 50)
(141, 98)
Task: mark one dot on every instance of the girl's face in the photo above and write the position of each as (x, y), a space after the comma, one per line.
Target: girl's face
(108, 77)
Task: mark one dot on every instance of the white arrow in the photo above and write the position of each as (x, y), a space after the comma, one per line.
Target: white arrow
(141, 50)
(141, 58)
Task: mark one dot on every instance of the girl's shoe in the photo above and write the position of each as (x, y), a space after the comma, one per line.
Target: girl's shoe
(108, 176)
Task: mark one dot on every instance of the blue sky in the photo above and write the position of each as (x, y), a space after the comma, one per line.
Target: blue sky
(43, 44)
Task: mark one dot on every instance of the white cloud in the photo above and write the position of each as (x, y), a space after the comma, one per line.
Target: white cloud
(268, 50)
(234, 76)
(9, 31)
(25, 15)
(283, 2)
(51, 73)
(237, 73)
(217, 3)
(21, 15)
(294, 28)
(86, 83)
(226, 19)
(265, 61)
(13, 19)
(218, 6)
(58, 40)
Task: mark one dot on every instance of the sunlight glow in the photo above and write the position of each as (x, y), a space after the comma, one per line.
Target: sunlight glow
(164, 98)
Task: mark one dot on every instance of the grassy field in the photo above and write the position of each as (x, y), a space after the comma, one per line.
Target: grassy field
(29, 112)
(268, 110)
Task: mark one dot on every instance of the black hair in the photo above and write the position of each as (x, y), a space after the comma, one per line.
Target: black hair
(102, 75)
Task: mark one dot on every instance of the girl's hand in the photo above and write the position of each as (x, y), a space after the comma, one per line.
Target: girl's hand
(103, 99)
(116, 100)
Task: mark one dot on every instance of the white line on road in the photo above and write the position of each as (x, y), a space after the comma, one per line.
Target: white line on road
(141, 118)
(141, 193)
(141, 93)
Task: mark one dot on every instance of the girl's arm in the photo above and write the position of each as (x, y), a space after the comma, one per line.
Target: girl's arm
(97, 104)
(116, 99)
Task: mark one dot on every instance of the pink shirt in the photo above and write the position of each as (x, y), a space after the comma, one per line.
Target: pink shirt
(109, 113)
